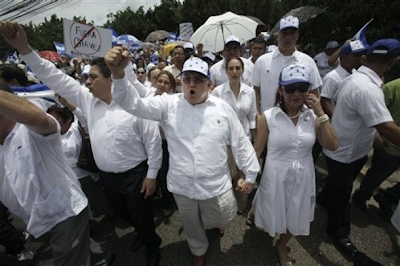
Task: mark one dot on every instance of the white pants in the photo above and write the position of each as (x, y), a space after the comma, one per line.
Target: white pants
(199, 215)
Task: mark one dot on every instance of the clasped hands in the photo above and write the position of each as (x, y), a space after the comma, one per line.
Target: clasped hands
(244, 187)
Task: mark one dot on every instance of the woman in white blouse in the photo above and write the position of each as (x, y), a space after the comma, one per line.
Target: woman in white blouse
(242, 99)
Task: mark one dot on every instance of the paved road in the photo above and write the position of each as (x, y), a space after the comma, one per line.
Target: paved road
(371, 232)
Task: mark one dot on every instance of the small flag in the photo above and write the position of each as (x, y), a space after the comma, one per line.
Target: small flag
(360, 35)
(60, 48)
(14, 58)
(114, 36)
(173, 36)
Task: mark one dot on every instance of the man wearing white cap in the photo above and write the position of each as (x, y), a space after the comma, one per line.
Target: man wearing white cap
(266, 71)
(198, 128)
(218, 71)
(321, 59)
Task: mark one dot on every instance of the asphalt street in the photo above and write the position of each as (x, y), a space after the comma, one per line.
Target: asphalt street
(371, 232)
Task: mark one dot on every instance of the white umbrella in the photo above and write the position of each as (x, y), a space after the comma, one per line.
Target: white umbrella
(216, 29)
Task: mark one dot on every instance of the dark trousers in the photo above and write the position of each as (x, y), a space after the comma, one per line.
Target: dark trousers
(383, 165)
(10, 237)
(70, 240)
(337, 193)
(392, 194)
(167, 198)
(123, 192)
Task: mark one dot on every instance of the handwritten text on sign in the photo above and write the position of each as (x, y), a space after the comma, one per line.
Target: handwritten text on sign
(86, 40)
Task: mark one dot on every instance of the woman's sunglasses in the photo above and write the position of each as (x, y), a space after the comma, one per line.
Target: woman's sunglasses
(292, 88)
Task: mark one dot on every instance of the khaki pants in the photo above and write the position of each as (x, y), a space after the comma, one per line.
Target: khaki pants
(199, 215)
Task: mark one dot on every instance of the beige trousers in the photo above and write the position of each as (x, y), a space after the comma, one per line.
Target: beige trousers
(199, 215)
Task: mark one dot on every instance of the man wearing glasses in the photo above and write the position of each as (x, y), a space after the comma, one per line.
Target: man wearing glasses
(198, 127)
(232, 49)
(176, 67)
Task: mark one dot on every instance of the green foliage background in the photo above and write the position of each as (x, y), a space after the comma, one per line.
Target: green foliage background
(340, 21)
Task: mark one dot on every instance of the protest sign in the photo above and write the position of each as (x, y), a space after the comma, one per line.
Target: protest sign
(185, 31)
(86, 40)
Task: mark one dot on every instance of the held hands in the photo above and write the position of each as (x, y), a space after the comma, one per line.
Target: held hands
(313, 102)
(244, 187)
(148, 187)
(117, 58)
(15, 35)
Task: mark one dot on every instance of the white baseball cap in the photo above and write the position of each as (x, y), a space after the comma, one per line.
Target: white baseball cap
(85, 70)
(188, 45)
(288, 22)
(232, 38)
(197, 65)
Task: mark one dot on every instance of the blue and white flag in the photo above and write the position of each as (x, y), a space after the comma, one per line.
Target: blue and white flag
(60, 48)
(173, 36)
(15, 58)
(360, 35)
(114, 36)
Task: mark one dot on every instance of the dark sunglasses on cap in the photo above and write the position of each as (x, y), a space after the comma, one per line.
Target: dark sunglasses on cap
(301, 88)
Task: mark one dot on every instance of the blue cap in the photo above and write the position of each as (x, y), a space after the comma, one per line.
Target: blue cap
(388, 46)
(295, 73)
(353, 47)
(154, 58)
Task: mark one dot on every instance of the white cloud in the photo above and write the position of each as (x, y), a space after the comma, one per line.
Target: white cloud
(95, 11)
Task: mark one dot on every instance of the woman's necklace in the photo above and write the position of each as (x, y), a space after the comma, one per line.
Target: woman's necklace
(295, 116)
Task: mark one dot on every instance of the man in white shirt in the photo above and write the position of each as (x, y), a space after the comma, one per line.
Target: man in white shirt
(266, 71)
(360, 111)
(179, 58)
(321, 59)
(198, 128)
(350, 58)
(126, 149)
(218, 71)
(37, 185)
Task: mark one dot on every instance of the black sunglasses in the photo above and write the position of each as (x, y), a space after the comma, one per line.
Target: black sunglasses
(292, 88)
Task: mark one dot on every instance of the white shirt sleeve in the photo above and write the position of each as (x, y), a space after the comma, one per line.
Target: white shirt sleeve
(151, 137)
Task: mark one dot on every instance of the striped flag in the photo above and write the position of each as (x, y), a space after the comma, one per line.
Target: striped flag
(360, 35)
(60, 48)
(173, 36)
(114, 36)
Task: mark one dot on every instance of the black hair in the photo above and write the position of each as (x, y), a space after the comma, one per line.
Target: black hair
(11, 71)
(5, 87)
(260, 39)
(64, 112)
(101, 64)
(178, 47)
